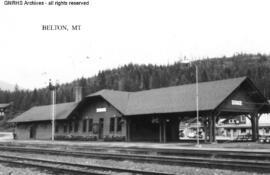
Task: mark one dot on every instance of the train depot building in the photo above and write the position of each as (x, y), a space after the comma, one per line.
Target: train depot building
(150, 115)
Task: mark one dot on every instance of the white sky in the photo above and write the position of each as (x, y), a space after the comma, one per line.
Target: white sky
(117, 32)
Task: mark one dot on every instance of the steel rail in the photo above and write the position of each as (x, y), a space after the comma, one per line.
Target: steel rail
(72, 167)
(227, 161)
(239, 154)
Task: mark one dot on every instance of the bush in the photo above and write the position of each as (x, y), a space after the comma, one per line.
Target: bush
(76, 138)
(114, 138)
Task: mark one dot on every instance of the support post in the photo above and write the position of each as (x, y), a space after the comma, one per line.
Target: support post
(164, 131)
(214, 128)
(178, 128)
(205, 129)
(210, 125)
(257, 127)
(160, 130)
(254, 126)
(127, 129)
(174, 129)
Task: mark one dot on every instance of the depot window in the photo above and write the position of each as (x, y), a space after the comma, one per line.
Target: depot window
(112, 121)
(56, 128)
(119, 124)
(70, 126)
(65, 128)
(90, 125)
(76, 126)
(84, 125)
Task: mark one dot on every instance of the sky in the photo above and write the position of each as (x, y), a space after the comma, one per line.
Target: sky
(118, 32)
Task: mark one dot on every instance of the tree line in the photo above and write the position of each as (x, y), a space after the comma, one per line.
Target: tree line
(134, 77)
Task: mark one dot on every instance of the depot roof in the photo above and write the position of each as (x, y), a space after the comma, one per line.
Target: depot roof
(171, 99)
(44, 113)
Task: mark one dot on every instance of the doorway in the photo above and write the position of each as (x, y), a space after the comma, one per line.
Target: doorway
(172, 130)
(33, 130)
(101, 125)
(144, 129)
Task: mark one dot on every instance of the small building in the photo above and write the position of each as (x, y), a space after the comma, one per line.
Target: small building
(149, 115)
(5, 109)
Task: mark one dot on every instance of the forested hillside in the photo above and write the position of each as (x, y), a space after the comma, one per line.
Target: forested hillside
(133, 77)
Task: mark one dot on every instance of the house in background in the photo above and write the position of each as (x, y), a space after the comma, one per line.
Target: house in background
(241, 126)
(5, 109)
(226, 129)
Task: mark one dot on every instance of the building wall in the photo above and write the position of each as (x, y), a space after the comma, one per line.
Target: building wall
(42, 131)
(94, 110)
(22, 131)
(239, 101)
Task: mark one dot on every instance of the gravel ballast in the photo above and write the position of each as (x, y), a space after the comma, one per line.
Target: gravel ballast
(181, 170)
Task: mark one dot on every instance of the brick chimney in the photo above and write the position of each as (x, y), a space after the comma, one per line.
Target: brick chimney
(78, 93)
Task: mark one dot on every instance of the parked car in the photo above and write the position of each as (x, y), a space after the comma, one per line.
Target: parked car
(194, 135)
(242, 138)
(264, 139)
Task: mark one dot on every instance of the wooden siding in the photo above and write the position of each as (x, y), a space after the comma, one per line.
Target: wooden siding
(42, 131)
(89, 111)
(241, 95)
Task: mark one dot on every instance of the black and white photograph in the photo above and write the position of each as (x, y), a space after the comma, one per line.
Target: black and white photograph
(134, 87)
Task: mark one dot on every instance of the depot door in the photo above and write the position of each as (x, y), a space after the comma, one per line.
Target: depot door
(101, 124)
(32, 134)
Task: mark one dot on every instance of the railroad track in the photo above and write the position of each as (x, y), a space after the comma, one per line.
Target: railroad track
(256, 161)
(72, 168)
(206, 153)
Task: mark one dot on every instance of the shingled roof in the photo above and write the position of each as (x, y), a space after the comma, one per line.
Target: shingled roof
(119, 99)
(182, 98)
(171, 99)
(43, 113)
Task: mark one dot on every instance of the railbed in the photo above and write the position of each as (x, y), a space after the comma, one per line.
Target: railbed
(208, 155)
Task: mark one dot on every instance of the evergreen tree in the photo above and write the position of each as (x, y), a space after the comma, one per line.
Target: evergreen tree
(133, 77)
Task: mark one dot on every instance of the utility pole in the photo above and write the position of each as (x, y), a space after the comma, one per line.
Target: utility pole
(197, 101)
(53, 88)
(53, 113)
(197, 104)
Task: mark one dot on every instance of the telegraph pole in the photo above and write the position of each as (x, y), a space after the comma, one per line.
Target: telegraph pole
(197, 101)
(53, 113)
(197, 104)
(53, 88)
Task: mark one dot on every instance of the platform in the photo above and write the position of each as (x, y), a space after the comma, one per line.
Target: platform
(240, 146)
